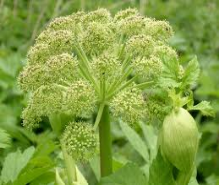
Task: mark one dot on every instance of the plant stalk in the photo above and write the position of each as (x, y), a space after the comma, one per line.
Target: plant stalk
(183, 178)
(69, 166)
(105, 143)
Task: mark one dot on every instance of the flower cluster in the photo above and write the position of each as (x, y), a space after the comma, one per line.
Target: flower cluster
(80, 140)
(85, 60)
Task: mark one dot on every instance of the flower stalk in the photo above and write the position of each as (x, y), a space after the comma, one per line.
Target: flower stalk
(105, 143)
(69, 166)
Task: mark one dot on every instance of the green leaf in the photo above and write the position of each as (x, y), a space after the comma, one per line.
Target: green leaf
(5, 139)
(130, 174)
(14, 163)
(44, 149)
(191, 73)
(160, 172)
(151, 139)
(193, 181)
(205, 108)
(30, 175)
(136, 141)
(46, 178)
(169, 75)
(212, 180)
(95, 166)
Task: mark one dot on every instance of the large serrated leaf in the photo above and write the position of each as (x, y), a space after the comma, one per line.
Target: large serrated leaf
(160, 172)
(191, 73)
(136, 141)
(5, 139)
(130, 174)
(151, 139)
(14, 163)
(205, 108)
(169, 75)
(28, 176)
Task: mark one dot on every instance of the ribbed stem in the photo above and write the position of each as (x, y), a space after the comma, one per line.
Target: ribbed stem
(105, 143)
(183, 178)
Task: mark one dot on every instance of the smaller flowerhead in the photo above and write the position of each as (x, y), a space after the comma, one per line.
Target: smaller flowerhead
(125, 13)
(107, 65)
(157, 105)
(147, 68)
(159, 30)
(31, 117)
(38, 53)
(77, 16)
(48, 100)
(129, 105)
(80, 98)
(63, 67)
(165, 53)
(45, 101)
(32, 77)
(131, 25)
(57, 69)
(80, 140)
(101, 15)
(140, 45)
(97, 38)
(59, 41)
(62, 23)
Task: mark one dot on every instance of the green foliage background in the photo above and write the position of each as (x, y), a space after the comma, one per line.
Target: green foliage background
(196, 25)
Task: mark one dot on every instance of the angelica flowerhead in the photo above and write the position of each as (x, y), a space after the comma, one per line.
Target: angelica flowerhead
(85, 60)
(80, 140)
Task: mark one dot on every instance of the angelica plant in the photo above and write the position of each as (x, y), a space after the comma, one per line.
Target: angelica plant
(93, 64)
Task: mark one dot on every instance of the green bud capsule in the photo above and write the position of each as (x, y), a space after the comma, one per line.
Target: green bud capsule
(179, 139)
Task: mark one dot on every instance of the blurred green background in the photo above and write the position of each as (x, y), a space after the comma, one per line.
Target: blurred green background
(196, 25)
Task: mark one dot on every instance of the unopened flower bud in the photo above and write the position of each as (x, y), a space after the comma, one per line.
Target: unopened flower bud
(179, 139)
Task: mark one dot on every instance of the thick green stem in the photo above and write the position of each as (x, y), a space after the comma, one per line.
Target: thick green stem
(183, 178)
(105, 143)
(69, 166)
